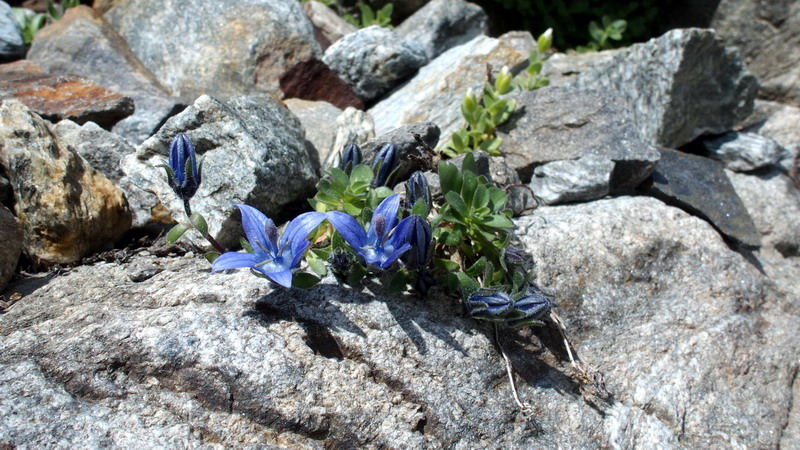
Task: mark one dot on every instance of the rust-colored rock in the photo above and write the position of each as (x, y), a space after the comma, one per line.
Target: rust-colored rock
(314, 80)
(66, 208)
(62, 97)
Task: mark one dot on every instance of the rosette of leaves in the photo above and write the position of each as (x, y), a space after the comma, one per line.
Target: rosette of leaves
(338, 191)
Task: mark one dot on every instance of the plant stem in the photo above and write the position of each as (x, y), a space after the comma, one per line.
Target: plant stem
(214, 243)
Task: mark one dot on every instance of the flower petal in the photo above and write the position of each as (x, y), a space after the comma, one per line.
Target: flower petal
(284, 277)
(299, 248)
(234, 260)
(349, 228)
(401, 233)
(254, 223)
(388, 210)
(395, 255)
(299, 228)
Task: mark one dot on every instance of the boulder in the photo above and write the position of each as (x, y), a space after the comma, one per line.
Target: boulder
(436, 92)
(679, 86)
(102, 149)
(12, 45)
(61, 48)
(690, 339)
(352, 125)
(415, 144)
(318, 120)
(699, 186)
(65, 207)
(573, 180)
(314, 80)
(562, 123)
(234, 47)
(253, 151)
(373, 60)
(62, 97)
(779, 122)
(11, 237)
(443, 24)
(328, 26)
(744, 152)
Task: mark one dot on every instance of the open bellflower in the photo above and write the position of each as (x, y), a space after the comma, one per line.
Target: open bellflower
(271, 256)
(183, 171)
(383, 243)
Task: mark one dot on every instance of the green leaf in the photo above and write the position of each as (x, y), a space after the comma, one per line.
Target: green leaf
(352, 209)
(420, 209)
(596, 33)
(498, 221)
(445, 264)
(452, 237)
(316, 264)
(457, 203)
(339, 178)
(200, 223)
(361, 173)
(497, 198)
(398, 282)
(449, 177)
(468, 187)
(367, 15)
(467, 284)
(357, 272)
(477, 268)
(481, 197)
(245, 245)
(304, 280)
(176, 232)
(211, 256)
(52, 10)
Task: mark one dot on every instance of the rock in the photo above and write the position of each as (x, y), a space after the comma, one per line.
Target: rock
(679, 86)
(415, 144)
(11, 237)
(673, 319)
(780, 123)
(6, 192)
(314, 80)
(767, 36)
(61, 48)
(699, 186)
(436, 92)
(253, 152)
(318, 119)
(65, 207)
(521, 41)
(222, 49)
(563, 68)
(328, 26)
(743, 152)
(12, 45)
(102, 149)
(62, 97)
(352, 125)
(443, 24)
(774, 204)
(573, 180)
(373, 60)
(561, 123)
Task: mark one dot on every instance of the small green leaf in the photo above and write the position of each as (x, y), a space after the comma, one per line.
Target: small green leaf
(497, 198)
(498, 221)
(211, 256)
(339, 178)
(361, 173)
(445, 264)
(245, 245)
(481, 197)
(176, 232)
(304, 280)
(457, 203)
(467, 284)
(468, 187)
(420, 208)
(200, 223)
(317, 265)
(351, 209)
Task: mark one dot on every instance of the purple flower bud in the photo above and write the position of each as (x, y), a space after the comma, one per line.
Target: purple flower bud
(489, 304)
(383, 165)
(416, 189)
(184, 175)
(419, 237)
(351, 157)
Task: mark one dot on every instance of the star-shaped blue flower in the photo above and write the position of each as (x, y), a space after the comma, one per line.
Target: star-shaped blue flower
(383, 243)
(271, 256)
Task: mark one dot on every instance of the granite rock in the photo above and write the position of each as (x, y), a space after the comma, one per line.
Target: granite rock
(780, 123)
(11, 237)
(6, 191)
(65, 207)
(436, 92)
(12, 45)
(443, 24)
(352, 125)
(102, 149)
(743, 152)
(221, 48)
(62, 97)
(328, 26)
(373, 60)
(314, 80)
(562, 123)
(253, 151)
(679, 86)
(318, 120)
(61, 48)
(699, 186)
(415, 144)
(573, 180)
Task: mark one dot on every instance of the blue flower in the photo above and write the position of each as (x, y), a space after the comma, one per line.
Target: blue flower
(489, 304)
(383, 243)
(183, 172)
(384, 164)
(273, 257)
(420, 237)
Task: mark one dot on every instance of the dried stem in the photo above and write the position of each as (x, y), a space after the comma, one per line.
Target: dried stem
(526, 409)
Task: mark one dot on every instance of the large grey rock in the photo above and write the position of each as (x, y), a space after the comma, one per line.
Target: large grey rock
(561, 123)
(318, 120)
(414, 143)
(373, 60)
(436, 92)
(780, 123)
(573, 180)
(225, 48)
(66, 208)
(563, 68)
(12, 46)
(443, 24)
(679, 86)
(743, 152)
(354, 126)
(253, 151)
(328, 26)
(11, 237)
(774, 204)
(61, 48)
(691, 339)
(699, 186)
(100, 148)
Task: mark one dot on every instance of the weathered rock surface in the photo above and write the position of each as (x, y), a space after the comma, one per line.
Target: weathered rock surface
(62, 97)
(679, 86)
(443, 24)
(743, 152)
(314, 80)
(373, 60)
(415, 144)
(65, 207)
(352, 125)
(436, 92)
(317, 119)
(102, 149)
(60, 48)
(12, 46)
(11, 237)
(573, 180)
(328, 26)
(780, 123)
(253, 152)
(560, 123)
(774, 204)
(691, 339)
(563, 68)
(699, 186)
(6, 191)
(226, 48)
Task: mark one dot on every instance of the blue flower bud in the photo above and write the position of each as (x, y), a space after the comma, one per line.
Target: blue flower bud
(351, 157)
(184, 175)
(419, 237)
(489, 304)
(417, 188)
(383, 165)
(534, 304)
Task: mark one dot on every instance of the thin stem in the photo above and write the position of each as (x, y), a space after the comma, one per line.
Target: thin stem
(524, 407)
(214, 243)
(187, 208)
